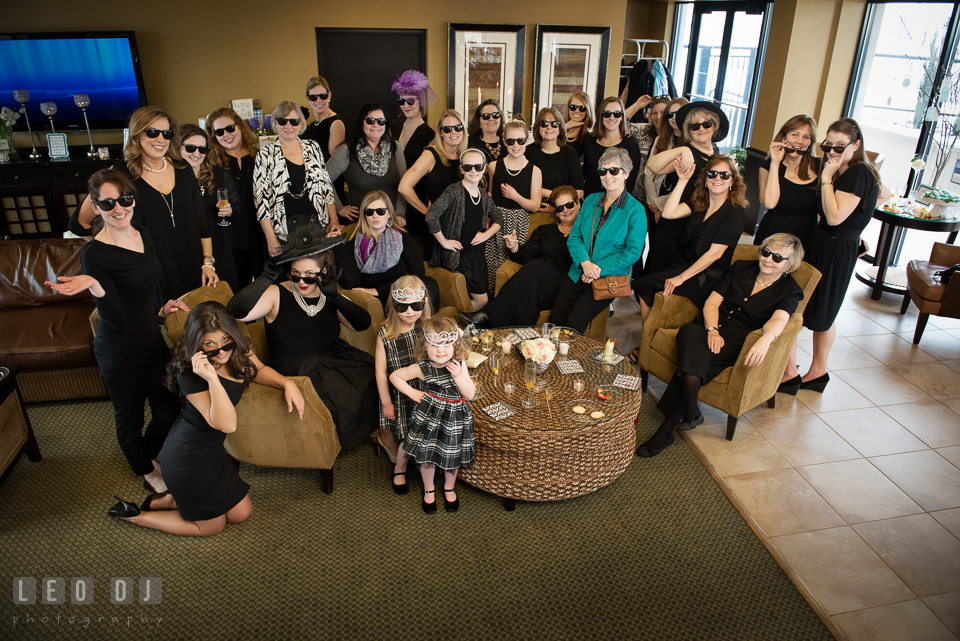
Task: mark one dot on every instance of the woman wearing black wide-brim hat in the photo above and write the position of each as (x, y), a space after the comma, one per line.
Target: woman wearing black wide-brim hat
(703, 124)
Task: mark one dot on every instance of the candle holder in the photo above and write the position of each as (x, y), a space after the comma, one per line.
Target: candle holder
(82, 100)
(49, 109)
(22, 96)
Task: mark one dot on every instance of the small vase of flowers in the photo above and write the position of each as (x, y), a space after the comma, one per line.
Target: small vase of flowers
(539, 350)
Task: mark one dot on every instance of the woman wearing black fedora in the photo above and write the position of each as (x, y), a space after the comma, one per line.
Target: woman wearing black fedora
(703, 124)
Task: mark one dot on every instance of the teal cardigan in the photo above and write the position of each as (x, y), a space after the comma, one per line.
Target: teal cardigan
(620, 242)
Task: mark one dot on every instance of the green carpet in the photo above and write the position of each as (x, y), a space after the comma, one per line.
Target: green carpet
(659, 554)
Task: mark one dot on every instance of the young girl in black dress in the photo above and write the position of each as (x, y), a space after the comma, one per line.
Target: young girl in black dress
(211, 368)
(441, 429)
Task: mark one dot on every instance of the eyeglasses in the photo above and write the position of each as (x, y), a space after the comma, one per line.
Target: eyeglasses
(375, 121)
(192, 148)
(568, 205)
(216, 352)
(515, 141)
(229, 129)
(791, 150)
(580, 108)
(406, 101)
(379, 211)
(836, 148)
(107, 204)
(402, 307)
(313, 97)
(612, 114)
(152, 132)
(695, 126)
(672, 114)
(293, 121)
(614, 171)
(550, 123)
(777, 258)
(467, 168)
(448, 128)
(724, 175)
(495, 115)
(307, 280)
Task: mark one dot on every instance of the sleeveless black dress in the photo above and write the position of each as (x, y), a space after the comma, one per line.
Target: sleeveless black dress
(197, 470)
(796, 211)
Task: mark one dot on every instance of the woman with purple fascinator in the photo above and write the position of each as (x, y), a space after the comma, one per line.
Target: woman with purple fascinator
(409, 129)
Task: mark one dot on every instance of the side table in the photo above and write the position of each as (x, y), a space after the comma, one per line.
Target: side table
(16, 433)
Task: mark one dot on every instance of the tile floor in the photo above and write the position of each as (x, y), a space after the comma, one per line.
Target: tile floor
(858, 488)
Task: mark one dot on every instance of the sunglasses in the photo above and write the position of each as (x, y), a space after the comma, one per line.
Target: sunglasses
(550, 123)
(515, 141)
(612, 114)
(724, 175)
(216, 352)
(777, 258)
(229, 129)
(671, 114)
(495, 115)
(580, 108)
(695, 126)
(107, 204)
(614, 171)
(313, 97)
(448, 128)
(837, 148)
(791, 150)
(402, 307)
(375, 121)
(467, 168)
(307, 280)
(406, 101)
(192, 148)
(570, 205)
(379, 211)
(293, 121)
(152, 132)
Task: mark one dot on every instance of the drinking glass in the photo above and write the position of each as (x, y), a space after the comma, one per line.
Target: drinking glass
(530, 379)
(494, 361)
(222, 202)
(579, 386)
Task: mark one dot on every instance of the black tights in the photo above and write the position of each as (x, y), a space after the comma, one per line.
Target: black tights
(675, 408)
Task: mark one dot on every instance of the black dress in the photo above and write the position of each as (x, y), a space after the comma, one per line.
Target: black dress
(491, 151)
(561, 168)
(245, 236)
(421, 137)
(592, 150)
(342, 374)
(196, 468)
(225, 266)
(515, 217)
(796, 210)
(833, 249)
(411, 262)
(473, 261)
(428, 190)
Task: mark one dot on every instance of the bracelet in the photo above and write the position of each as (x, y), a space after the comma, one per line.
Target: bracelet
(713, 329)
(210, 266)
(830, 182)
(764, 331)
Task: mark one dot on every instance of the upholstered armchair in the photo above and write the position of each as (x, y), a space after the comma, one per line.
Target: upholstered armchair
(739, 388)
(927, 292)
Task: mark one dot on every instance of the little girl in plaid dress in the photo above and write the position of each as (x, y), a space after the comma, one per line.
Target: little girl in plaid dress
(440, 432)
(396, 344)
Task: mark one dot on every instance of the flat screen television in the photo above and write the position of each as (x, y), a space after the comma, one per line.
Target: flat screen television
(53, 67)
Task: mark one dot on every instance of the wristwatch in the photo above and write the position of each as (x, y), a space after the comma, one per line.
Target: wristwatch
(209, 260)
(713, 329)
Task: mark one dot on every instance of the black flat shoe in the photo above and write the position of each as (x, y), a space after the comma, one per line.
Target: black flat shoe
(689, 425)
(816, 385)
(428, 508)
(478, 319)
(647, 452)
(145, 506)
(451, 506)
(790, 387)
(400, 489)
(124, 509)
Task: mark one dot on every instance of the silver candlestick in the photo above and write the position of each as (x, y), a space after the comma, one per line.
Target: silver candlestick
(82, 100)
(22, 96)
(48, 109)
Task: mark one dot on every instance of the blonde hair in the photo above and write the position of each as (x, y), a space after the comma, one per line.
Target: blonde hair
(437, 325)
(795, 259)
(437, 144)
(704, 115)
(141, 119)
(363, 227)
(516, 123)
(281, 111)
(392, 321)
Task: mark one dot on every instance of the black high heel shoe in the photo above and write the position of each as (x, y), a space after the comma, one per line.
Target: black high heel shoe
(124, 509)
(145, 506)
(816, 385)
(477, 319)
(428, 508)
(451, 506)
(399, 489)
(790, 387)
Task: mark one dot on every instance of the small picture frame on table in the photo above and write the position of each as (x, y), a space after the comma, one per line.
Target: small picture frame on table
(57, 147)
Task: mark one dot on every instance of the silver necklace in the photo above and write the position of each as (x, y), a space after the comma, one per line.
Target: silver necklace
(311, 310)
(157, 171)
(765, 284)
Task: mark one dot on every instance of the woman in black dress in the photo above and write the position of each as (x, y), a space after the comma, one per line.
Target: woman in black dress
(211, 369)
(849, 185)
(611, 131)
(409, 129)
(121, 270)
(486, 130)
(558, 162)
(327, 128)
(546, 260)
(752, 295)
(580, 120)
(790, 198)
(303, 316)
(169, 204)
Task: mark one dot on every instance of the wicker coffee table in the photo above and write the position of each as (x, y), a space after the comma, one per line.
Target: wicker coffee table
(549, 452)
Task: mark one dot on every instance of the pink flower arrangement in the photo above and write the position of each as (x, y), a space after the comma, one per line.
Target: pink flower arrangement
(539, 350)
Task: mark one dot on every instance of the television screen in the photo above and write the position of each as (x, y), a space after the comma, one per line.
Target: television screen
(55, 67)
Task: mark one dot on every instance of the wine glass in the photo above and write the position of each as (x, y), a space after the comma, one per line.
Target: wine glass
(222, 202)
(530, 379)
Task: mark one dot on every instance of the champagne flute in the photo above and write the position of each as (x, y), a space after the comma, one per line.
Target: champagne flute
(530, 379)
(222, 202)
(494, 360)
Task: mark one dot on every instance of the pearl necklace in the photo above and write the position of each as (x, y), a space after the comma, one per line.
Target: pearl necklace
(514, 173)
(475, 202)
(157, 171)
(311, 310)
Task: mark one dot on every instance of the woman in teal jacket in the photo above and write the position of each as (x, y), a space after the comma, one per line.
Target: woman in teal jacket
(606, 240)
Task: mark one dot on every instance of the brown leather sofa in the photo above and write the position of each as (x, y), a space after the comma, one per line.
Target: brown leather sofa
(47, 334)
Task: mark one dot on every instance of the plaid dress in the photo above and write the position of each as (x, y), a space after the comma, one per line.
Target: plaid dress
(441, 429)
(399, 353)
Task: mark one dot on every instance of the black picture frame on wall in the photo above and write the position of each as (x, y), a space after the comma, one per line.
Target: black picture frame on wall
(361, 65)
(511, 41)
(593, 41)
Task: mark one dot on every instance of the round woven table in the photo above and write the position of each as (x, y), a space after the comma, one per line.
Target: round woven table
(548, 453)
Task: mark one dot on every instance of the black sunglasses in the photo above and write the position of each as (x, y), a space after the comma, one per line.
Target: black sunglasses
(672, 114)
(379, 211)
(229, 129)
(791, 150)
(375, 121)
(402, 307)
(713, 173)
(495, 115)
(568, 205)
(777, 258)
(550, 123)
(695, 126)
(216, 352)
(580, 108)
(192, 148)
(448, 128)
(515, 141)
(614, 171)
(837, 148)
(612, 114)
(152, 132)
(293, 121)
(406, 101)
(307, 280)
(313, 97)
(467, 168)
(107, 204)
